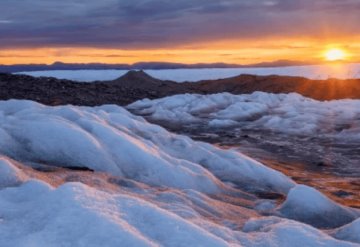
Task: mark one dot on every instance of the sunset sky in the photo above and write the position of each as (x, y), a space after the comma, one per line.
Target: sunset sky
(187, 31)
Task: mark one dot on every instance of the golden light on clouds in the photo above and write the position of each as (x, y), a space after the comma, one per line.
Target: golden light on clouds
(227, 51)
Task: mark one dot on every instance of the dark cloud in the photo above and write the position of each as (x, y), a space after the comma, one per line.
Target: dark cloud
(159, 23)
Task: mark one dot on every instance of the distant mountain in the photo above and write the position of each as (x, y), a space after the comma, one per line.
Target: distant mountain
(140, 66)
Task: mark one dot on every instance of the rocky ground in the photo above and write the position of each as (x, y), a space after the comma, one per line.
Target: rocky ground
(137, 85)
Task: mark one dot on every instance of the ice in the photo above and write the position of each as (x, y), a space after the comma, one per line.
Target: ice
(350, 232)
(77, 215)
(10, 174)
(150, 187)
(110, 139)
(74, 214)
(341, 71)
(273, 231)
(80, 75)
(284, 113)
(308, 205)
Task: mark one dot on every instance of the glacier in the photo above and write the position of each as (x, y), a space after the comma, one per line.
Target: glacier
(90, 176)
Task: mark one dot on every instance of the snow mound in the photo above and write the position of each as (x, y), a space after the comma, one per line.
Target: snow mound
(74, 214)
(77, 215)
(273, 231)
(284, 113)
(10, 175)
(350, 232)
(308, 205)
(110, 139)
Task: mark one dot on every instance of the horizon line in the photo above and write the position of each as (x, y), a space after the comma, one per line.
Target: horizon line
(275, 63)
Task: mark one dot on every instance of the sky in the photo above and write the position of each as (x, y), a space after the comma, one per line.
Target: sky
(186, 31)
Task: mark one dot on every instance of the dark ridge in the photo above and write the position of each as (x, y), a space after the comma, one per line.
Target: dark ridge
(330, 89)
(137, 85)
(143, 65)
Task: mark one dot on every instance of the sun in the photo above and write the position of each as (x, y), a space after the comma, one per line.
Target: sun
(335, 55)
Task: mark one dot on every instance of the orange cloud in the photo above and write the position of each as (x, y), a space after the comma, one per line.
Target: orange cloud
(227, 51)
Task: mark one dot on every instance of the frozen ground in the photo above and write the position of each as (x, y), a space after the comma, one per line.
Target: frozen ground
(341, 71)
(290, 114)
(314, 142)
(81, 176)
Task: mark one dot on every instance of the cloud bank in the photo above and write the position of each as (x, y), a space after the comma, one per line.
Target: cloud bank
(159, 23)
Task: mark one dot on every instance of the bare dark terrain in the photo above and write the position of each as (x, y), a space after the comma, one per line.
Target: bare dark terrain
(137, 85)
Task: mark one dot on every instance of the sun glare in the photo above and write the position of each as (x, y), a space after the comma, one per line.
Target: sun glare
(335, 55)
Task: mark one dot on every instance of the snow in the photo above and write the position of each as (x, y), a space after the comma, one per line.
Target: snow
(308, 205)
(150, 187)
(283, 113)
(342, 71)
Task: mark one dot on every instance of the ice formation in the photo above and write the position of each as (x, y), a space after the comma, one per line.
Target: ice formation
(283, 113)
(150, 187)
